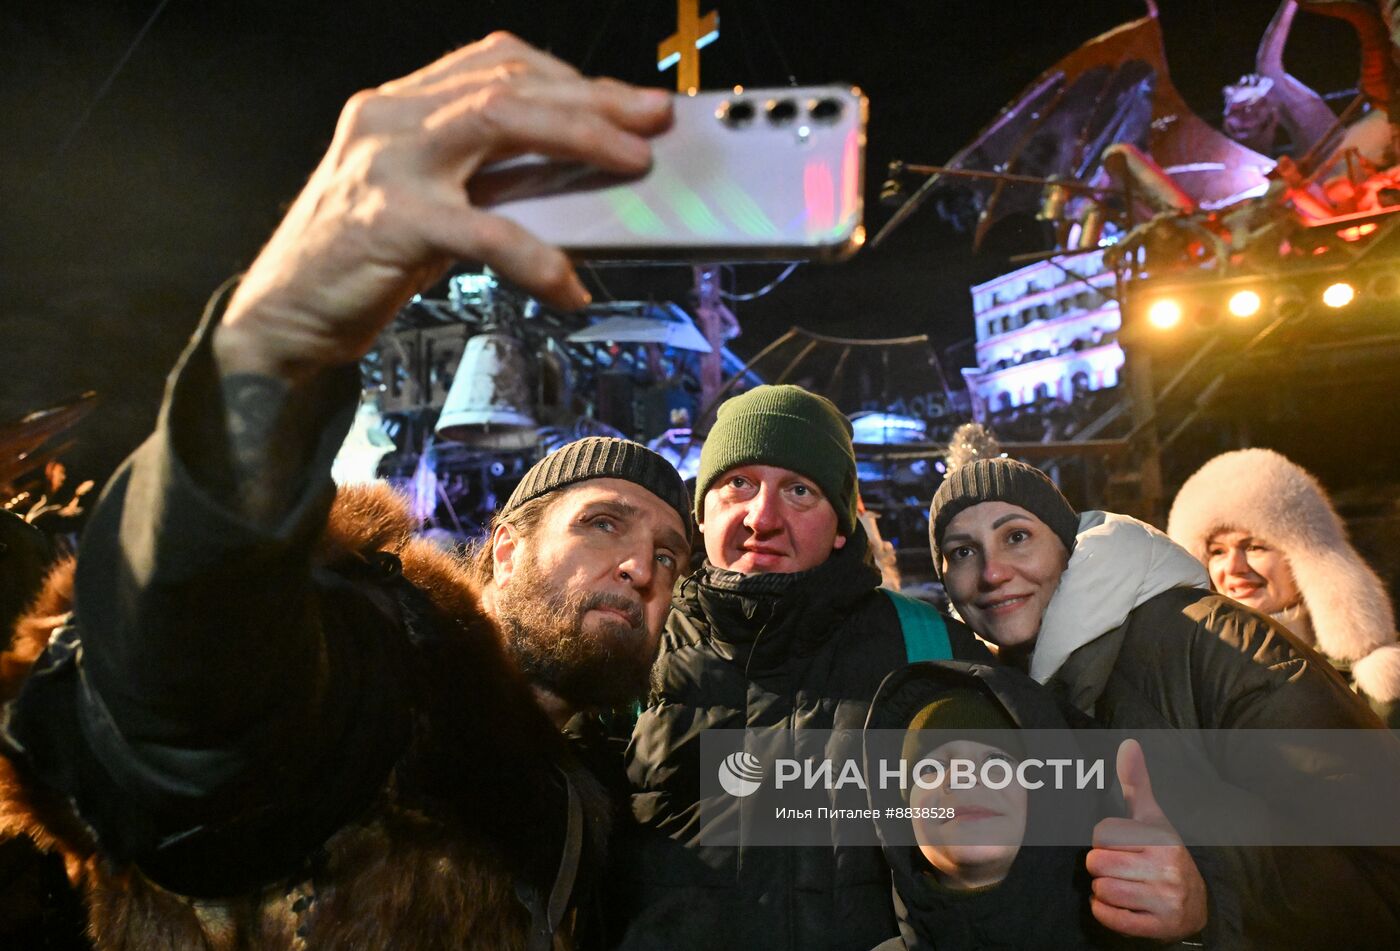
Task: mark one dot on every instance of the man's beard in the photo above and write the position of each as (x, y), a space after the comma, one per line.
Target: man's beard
(602, 667)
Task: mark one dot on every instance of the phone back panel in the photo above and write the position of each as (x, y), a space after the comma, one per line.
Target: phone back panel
(720, 188)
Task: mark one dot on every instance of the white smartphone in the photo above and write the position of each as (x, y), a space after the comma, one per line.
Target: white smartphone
(743, 175)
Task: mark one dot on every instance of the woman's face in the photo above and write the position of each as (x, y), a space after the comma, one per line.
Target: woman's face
(1250, 570)
(1001, 566)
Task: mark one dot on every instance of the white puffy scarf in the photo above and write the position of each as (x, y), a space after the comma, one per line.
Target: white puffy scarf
(1118, 563)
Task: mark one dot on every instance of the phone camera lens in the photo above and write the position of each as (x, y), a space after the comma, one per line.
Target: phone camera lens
(781, 111)
(825, 110)
(739, 112)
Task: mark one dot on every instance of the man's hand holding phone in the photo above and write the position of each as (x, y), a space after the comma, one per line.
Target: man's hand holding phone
(387, 209)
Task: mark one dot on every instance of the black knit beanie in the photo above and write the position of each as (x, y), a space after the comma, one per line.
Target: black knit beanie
(1000, 480)
(788, 427)
(604, 457)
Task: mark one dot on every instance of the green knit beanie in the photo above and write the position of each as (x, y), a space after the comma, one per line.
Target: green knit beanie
(958, 710)
(788, 427)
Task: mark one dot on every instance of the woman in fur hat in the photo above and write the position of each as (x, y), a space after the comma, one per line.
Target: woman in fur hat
(1269, 537)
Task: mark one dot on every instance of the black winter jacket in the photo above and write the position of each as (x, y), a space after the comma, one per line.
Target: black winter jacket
(1187, 659)
(312, 725)
(802, 652)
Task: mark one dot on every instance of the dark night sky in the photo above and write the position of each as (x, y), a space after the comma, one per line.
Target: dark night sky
(121, 214)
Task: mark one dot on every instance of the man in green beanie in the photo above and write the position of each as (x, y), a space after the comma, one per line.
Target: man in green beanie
(776, 491)
(784, 627)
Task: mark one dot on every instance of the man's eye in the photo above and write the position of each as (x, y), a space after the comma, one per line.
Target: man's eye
(666, 559)
(1001, 756)
(738, 482)
(801, 490)
(605, 523)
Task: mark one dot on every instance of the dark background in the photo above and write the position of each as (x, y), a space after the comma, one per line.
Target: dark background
(127, 194)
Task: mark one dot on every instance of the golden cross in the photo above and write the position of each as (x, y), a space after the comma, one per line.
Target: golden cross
(693, 33)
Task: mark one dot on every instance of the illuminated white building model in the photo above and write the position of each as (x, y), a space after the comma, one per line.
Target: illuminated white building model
(1045, 332)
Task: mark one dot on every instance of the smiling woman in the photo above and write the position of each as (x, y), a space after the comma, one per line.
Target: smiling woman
(1250, 570)
(1270, 538)
(1002, 566)
(1118, 620)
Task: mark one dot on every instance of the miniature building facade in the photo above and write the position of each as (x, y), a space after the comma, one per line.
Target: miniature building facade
(1045, 332)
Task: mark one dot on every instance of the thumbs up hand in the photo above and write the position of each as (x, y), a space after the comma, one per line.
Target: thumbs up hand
(1146, 884)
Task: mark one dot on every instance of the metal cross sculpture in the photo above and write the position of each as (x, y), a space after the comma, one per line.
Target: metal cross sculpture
(682, 48)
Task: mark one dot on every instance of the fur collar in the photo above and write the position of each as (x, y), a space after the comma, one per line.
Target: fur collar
(436, 867)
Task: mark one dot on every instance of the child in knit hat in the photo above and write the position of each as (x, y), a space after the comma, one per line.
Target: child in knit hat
(969, 836)
(962, 879)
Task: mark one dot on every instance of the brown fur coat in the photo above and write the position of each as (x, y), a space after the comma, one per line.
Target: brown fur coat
(418, 871)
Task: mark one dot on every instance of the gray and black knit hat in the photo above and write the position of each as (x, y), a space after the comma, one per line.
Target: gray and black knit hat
(604, 457)
(788, 427)
(1001, 480)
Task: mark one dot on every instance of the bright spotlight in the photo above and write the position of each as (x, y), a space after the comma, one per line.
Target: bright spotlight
(1164, 314)
(1339, 294)
(1245, 303)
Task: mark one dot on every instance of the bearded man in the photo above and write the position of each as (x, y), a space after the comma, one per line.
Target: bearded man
(259, 714)
(544, 572)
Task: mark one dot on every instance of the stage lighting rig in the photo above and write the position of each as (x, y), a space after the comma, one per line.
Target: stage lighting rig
(1164, 313)
(1245, 303)
(1338, 295)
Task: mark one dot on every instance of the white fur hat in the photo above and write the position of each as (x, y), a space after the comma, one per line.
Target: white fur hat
(1260, 491)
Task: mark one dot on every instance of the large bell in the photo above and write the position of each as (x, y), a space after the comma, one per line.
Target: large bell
(490, 402)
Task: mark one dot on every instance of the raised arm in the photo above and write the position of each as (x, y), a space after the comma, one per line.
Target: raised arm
(201, 620)
(387, 211)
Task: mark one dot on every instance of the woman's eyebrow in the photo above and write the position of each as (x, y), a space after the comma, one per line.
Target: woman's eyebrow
(1008, 517)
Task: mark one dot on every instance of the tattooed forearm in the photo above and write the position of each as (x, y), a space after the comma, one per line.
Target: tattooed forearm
(267, 428)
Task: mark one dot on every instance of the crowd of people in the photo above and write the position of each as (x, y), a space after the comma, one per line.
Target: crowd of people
(255, 712)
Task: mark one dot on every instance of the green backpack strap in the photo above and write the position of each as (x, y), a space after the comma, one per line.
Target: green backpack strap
(925, 634)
